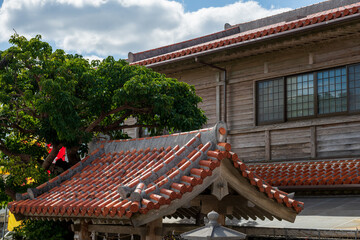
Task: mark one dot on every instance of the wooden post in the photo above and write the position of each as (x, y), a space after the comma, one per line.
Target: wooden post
(221, 219)
(266, 67)
(311, 58)
(218, 100)
(154, 230)
(212, 204)
(84, 231)
(313, 141)
(267, 145)
(81, 230)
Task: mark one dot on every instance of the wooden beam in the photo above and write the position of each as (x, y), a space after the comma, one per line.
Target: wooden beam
(313, 141)
(246, 211)
(117, 229)
(84, 233)
(311, 58)
(266, 67)
(299, 124)
(267, 145)
(218, 98)
(165, 210)
(154, 230)
(243, 188)
(177, 228)
(220, 188)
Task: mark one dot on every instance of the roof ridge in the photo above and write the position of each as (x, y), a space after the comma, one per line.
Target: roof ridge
(135, 57)
(258, 33)
(263, 185)
(218, 133)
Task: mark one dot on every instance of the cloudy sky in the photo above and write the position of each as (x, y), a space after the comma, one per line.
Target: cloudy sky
(98, 28)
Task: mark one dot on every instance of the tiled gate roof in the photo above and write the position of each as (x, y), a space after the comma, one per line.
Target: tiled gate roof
(124, 178)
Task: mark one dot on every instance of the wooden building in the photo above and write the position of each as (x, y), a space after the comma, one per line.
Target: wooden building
(288, 87)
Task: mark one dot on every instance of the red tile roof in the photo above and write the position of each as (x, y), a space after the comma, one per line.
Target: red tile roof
(126, 177)
(337, 172)
(313, 19)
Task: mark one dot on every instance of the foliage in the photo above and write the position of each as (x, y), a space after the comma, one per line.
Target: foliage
(19, 177)
(52, 97)
(42, 230)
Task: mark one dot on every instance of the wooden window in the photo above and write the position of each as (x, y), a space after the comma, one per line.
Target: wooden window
(354, 87)
(315, 94)
(332, 91)
(300, 96)
(270, 100)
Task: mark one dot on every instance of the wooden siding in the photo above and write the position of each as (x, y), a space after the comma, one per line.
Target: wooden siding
(249, 146)
(317, 138)
(208, 104)
(240, 105)
(338, 140)
(290, 142)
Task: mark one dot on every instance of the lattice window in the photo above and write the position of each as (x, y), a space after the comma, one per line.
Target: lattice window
(270, 100)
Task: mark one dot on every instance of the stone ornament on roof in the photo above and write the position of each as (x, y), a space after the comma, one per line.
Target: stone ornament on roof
(213, 230)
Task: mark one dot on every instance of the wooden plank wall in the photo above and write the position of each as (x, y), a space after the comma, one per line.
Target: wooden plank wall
(302, 139)
(248, 146)
(204, 80)
(291, 142)
(338, 140)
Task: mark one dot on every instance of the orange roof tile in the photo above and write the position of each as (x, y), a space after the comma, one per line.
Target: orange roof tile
(335, 172)
(313, 19)
(126, 177)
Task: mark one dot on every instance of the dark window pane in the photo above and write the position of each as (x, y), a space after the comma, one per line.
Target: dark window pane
(300, 95)
(354, 85)
(270, 98)
(332, 90)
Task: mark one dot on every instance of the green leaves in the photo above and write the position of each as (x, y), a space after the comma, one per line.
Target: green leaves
(42, 230)
(62, 99)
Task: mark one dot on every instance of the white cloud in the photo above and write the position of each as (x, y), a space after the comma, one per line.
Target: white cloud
(92, 57)
(115, 27)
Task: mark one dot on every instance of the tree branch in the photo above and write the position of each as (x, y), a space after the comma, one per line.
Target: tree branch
(52, 155)
(10, 192)
(92, 126)
(120, 127)
(114, 124)
(14, 125)
(24, 157)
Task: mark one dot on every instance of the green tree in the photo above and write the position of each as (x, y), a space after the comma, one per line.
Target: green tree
(52, 97)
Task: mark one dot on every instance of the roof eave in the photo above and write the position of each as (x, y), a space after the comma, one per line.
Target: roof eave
(305, 29)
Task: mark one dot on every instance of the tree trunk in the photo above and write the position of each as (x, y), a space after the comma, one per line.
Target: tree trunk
(52, 155)
(73, 155)
(10, 192)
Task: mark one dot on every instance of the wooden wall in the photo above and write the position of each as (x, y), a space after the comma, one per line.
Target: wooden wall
(338, 140)
(326, 137)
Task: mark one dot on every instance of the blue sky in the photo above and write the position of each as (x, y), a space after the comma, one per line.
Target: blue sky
(98, 28)
(193, 5)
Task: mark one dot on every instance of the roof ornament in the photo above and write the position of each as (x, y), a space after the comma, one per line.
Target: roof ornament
(213, 230)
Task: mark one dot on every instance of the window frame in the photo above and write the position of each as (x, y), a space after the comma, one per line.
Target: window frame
(257, 102)
(348, 86)
(316, 99)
